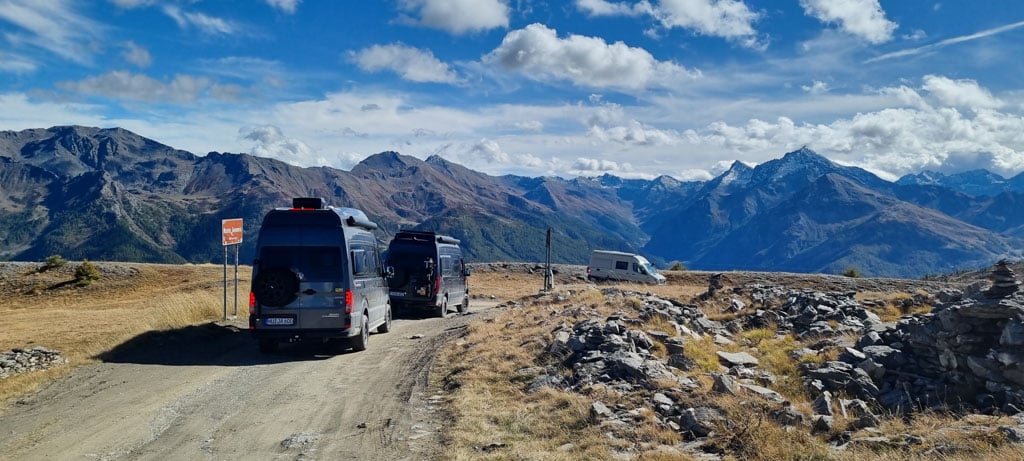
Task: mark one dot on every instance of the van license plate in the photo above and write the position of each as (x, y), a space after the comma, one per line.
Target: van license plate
(397, 293)
(279, 321)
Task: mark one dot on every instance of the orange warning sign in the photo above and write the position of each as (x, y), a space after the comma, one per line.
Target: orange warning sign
(231, 231)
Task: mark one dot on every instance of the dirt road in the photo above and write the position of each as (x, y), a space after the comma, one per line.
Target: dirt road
(205, 392)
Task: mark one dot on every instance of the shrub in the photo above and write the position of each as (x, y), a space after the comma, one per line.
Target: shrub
(852, 272)
(86, 273)
(53, 262)
(677, 266)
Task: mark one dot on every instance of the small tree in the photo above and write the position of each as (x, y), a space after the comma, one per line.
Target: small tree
(86, 273)
(852, 272)
(53, 262)
(677, 266)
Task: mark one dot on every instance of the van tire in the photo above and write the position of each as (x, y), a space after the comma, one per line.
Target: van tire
(464, 307)
(275, 287)
(386, 326)
(267, 346)
(442, 310)
(359, 342)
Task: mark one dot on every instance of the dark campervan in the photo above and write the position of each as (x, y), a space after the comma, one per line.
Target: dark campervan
(317, 276)
(429, 272)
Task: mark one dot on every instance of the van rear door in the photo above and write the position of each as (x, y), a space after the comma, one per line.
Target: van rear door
(318, 297)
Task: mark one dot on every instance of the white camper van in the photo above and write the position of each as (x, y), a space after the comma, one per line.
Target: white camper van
(616, 265)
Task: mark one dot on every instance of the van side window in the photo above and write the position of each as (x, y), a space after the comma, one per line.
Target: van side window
(446, 265)
(636, 267)
(358, 262)
(622, 265)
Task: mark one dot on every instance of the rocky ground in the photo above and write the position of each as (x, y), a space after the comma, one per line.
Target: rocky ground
(953, 349)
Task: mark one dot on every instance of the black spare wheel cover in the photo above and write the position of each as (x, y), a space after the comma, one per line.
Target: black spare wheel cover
(276, 287)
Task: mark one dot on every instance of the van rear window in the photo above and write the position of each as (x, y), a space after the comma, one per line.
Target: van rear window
(302, 219)
(315, 263)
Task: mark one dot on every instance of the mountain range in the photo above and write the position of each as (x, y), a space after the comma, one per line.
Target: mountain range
(110, 194)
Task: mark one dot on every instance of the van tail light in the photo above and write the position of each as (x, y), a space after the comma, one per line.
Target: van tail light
(348, 301)
(437, 285)
(252, 303)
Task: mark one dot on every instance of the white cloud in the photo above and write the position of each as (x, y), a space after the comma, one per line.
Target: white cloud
(960, 93)
(288, 6)
(270, 141)
(717, 18)
(862, 18)
(55, 26)
(634, 133)
(538, 53)
(128, 4)
(730, 19)
(15, 64)
(206, 24)
(948, 42)
(817, 87)
(136, 54)
(606, 8)
(458, 16)
(410, 63)
(895, 141)
(126, 85)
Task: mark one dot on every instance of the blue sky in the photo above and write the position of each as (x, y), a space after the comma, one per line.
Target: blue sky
(536, 88)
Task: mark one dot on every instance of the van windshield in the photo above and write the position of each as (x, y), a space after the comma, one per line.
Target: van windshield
(314, 263)
(650, 269)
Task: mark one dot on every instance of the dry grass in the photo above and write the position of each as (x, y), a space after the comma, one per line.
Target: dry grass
(83, 321)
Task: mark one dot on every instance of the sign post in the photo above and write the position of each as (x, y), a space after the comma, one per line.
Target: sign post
(231, 234)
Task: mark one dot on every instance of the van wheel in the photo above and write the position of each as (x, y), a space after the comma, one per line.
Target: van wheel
(442, 310)
(275, 287)
(359, 342)
(267, 346)
(464, 307)
(386, 326)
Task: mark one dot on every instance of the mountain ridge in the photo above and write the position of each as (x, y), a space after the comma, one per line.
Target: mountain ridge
(111, 194)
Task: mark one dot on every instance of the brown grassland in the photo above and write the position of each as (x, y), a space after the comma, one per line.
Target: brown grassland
(485, 373)
(48, 309)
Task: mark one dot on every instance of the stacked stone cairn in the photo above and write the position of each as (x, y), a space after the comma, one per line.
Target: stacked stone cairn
(966, 355)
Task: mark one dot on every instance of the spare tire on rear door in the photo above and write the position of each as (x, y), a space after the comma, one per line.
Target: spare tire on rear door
(276, 287)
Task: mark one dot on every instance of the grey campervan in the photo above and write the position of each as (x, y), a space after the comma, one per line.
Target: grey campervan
(317, 275)
(429, 272)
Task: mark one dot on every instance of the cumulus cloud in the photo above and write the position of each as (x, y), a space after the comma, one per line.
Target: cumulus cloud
(126, 85)
(960, 93)
(717, 18)
(136, 54)
(538, 53)
(206, 24)
(410, 63)
(862, 18)
(896, 141)
(730, 19)
(270, 141)
(287, 6)
(634, 133)
(817, 87)
(457, 16)
(55, 26)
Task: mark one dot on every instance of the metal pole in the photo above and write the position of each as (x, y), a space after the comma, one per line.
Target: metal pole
(236, 280)
(225, 283)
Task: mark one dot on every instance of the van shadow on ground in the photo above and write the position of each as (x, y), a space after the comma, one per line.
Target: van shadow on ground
(211, 344)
